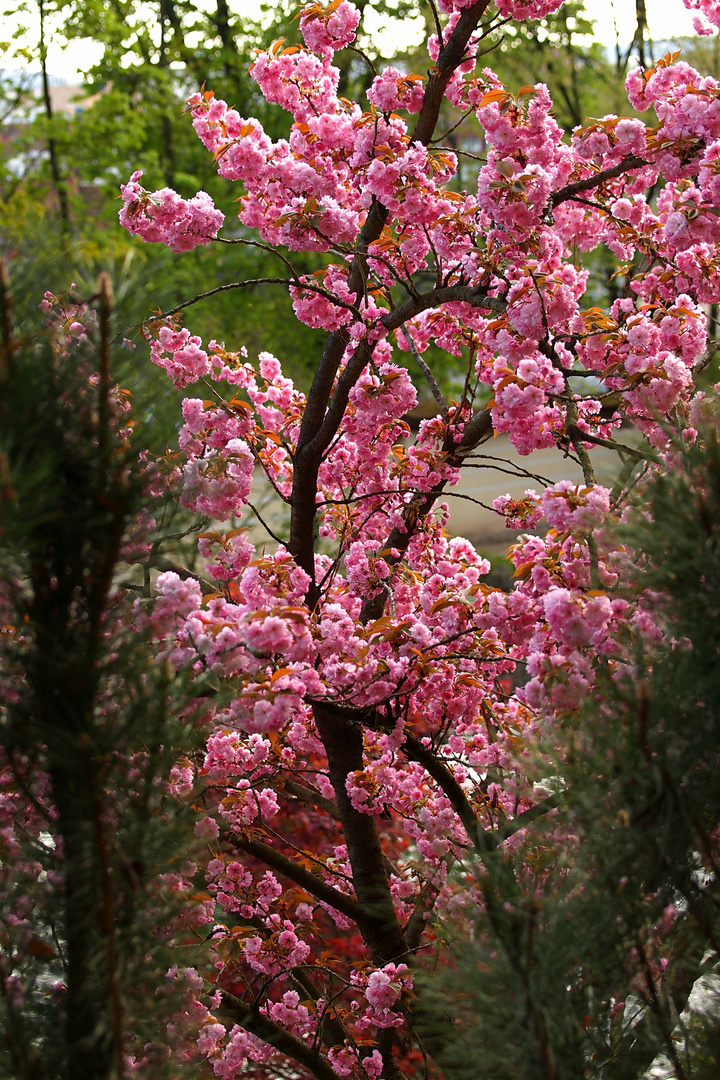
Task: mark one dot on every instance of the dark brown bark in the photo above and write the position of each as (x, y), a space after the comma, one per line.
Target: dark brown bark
(451, 294)
(340, 732)
(590, 182)
(282, 1040)
(312, 883)
(476, 431)
(641, 30)
(382, 933)
(333, 1032)
(221, 20)
(168, 19)
(450, 58)
(59, 182)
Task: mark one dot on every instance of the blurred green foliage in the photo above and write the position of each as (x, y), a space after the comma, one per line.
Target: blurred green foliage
(91, 725)
(596, 924)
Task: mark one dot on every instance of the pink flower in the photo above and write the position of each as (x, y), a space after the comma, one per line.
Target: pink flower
(269, 635)
(326, 31)
(392, 90)
(163, 216)
(574, 507)
(207, 829)
(519, 513)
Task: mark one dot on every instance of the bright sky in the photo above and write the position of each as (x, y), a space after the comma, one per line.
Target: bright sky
(666, 18)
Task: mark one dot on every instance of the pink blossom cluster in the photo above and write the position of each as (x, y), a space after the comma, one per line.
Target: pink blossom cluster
(519, 513)
(187, 363)
(687, 106)
(382, 989)
(164, 217)
(570, 507)
(326, 30)
(392, 90)
(291, 1014)
(528, 9)
(283, 949)
(527, 159)
(302, 83)
(241, 1046)
(709, 10)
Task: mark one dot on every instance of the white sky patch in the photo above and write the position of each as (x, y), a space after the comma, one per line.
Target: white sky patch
(65, 60)
(666, 19)
(391, 35)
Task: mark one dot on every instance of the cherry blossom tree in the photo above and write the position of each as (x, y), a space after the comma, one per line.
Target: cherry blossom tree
(377, 715)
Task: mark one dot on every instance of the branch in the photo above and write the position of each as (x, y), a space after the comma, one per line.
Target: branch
(500, 885)
(336, 410)
(485, 843)
(470, 498)
(302, 877)
(432, 383)
(451, 56)
(309, 796)
(611, 444)
(510, 468)
(264, 523)
(332, 1030)
(263, 247)
(527, 817)
(476, 430)
(590, 182)
(321, 430)
(707, 357)
(163, 564)
(59, 181)
(574, 434)
(272, 1034)
(302, 525)
(466, 294)
(296, 283)
(306, 461)
(365, 57)
(378, 922)
(417, 923)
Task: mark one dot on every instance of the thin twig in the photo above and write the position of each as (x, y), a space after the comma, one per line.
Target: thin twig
(432, 383)
(296, 283)
(590, 182)
(265, 525)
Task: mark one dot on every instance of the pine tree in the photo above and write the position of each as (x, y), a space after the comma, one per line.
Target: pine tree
(89, 730)
(590, 973)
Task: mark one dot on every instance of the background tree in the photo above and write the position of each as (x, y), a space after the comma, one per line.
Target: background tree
(90, 730)
(615, 935)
